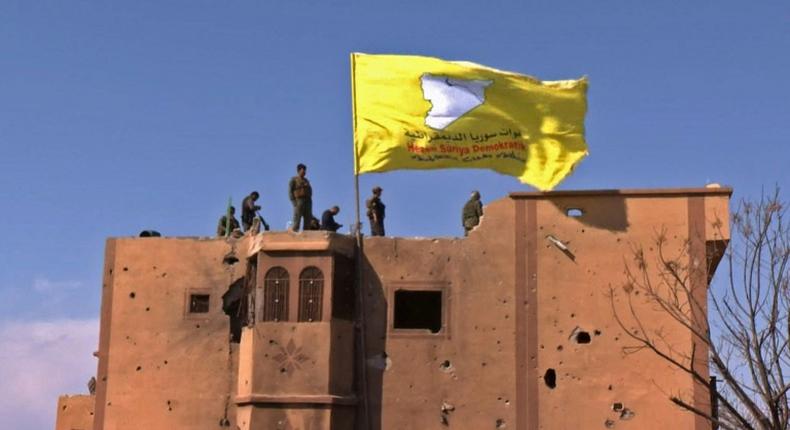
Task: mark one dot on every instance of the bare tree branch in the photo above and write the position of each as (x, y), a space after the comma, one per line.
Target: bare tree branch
(747, 334)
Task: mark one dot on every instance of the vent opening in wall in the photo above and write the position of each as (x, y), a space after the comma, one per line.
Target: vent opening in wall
(199, 303)
(418, 310)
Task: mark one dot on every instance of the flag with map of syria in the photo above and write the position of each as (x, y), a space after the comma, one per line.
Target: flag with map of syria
(413, 112)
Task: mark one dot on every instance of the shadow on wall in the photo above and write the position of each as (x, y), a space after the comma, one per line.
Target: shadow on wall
(605, 213)
(377, 361)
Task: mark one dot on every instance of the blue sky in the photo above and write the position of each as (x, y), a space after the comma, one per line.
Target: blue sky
(120, 117)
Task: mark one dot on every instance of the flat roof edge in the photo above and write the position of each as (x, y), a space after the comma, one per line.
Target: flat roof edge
(635, 192)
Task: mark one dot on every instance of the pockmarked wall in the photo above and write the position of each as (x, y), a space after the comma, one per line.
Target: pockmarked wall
(165, 362)
(512, 327)
(528, 337)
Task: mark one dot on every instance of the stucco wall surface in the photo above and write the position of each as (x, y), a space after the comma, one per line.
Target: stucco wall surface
(75, 413)
(516, 295)
(515, 304)
(166, 368)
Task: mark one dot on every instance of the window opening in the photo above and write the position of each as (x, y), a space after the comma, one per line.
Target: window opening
(275, 295)
(574, 212)
(415, 309)
(198, 303)
(311, 292)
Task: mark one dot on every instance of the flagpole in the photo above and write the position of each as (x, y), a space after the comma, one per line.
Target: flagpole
(361, 318)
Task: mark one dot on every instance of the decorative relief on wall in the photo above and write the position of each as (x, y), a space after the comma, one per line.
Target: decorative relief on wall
(290, 357)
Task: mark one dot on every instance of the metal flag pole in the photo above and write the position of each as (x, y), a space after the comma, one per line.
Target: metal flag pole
(359, 278)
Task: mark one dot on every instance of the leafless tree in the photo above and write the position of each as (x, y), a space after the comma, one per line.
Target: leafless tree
(746, 328)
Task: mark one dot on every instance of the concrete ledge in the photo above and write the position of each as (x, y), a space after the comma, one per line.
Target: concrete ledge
(304, 241)
(306, 399)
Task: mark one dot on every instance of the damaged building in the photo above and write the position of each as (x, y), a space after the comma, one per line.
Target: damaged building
(512, 327)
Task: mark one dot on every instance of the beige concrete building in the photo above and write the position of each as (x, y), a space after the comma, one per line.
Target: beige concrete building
(511, 327)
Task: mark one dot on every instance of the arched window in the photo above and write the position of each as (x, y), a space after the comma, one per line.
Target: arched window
(311, 293)
(275, 295)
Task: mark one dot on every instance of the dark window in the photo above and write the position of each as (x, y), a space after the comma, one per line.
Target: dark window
(418, 310)
(311, 292)
(275, 295)
(198, 303)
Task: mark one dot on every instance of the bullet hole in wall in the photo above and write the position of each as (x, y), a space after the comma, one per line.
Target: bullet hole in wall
(626, 414)
(230, 259)
(132, 295)
(550, 378)
(446, 409)
(617, 406)
(608, 424)
(446, 366)
(582, 337)
(500, 424)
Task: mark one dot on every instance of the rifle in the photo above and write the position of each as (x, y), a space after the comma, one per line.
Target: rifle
(263, 221)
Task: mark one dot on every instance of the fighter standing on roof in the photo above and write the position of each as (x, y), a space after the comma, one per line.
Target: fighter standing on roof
(301, 195)
(376, 212)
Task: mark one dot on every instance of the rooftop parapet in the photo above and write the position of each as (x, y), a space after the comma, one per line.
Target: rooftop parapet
(303, 241)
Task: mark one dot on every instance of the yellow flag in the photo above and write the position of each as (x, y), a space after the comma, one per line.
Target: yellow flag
(414, 112)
